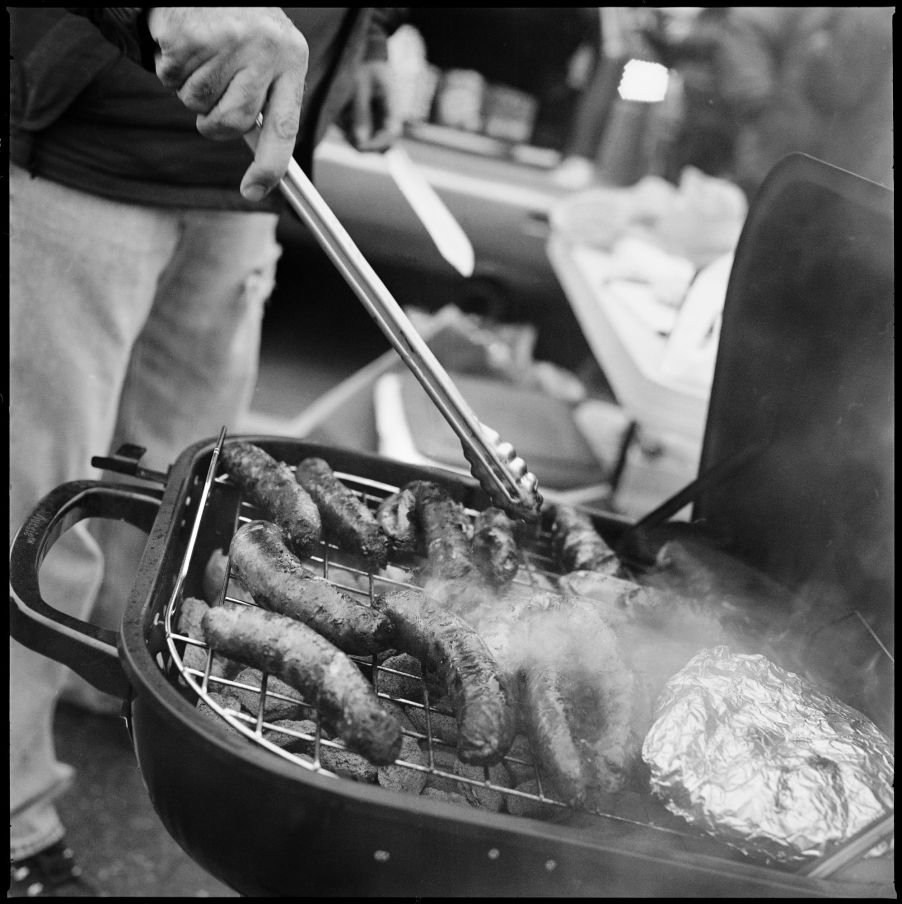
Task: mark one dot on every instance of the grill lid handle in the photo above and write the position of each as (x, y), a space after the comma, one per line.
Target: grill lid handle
(88, 650)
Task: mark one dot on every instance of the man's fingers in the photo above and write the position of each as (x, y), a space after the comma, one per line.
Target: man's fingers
(173, 69)
(276, 139)
(206, 85)
(229, 64)
(236, 111)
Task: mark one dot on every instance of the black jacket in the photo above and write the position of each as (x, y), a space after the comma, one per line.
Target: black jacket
(88, 112)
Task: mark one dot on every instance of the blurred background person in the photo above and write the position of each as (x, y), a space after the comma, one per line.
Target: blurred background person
(619, 36)
(706, 125)
(761, 82)
(141, 257)
(811, 79)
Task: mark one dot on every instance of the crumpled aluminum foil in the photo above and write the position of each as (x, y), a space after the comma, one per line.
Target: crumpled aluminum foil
(763, 760)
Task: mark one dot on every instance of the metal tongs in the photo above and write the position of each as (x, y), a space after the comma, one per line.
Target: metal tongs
(493, 462)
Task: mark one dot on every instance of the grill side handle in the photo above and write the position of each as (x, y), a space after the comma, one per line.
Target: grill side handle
(89, 650)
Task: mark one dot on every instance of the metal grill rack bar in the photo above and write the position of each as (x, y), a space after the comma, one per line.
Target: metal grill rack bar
(537, 571)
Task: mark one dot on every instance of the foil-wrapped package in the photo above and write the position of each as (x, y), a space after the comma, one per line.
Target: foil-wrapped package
(763, 760)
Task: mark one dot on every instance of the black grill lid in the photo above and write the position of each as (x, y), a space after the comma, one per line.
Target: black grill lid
(805, 363)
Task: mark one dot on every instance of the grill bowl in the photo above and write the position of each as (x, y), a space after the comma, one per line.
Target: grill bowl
(265, 826)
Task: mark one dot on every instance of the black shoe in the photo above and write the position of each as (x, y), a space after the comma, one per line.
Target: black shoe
(51, 873)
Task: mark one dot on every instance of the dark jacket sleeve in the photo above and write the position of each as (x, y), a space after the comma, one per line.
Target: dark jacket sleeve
(54, 54)
(126, 27)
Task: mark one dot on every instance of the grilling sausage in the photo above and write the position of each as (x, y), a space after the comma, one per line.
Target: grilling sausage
(576, 544)
(270, 485)
(215, 575)
(446, 531)
(346, 519)
(324, 675)
(543, 698)
(279, 581)
(582, 704)
(494, 546)
(396, 516)
(191, 612)
(481, 699)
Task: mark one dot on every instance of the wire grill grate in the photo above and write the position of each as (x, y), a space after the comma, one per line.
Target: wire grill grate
(537, 572)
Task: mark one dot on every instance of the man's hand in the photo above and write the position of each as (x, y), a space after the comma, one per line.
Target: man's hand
(374, 124)
(227, 64)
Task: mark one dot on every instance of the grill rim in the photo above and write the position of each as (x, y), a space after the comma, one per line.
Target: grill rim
(149, 683)
(147, 601)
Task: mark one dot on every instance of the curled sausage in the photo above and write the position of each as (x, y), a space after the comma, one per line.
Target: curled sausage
(191, 613)
(481, 698)
(270, 486)
(324, 675)
(346, 519)
(279, 581)
(396, 515)
(576, 544)
(544, 699)
(494, 546)
(216, 576)
(446, 531)
(583, 707)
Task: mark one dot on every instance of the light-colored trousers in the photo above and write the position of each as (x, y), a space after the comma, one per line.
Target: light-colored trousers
(127, 324)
